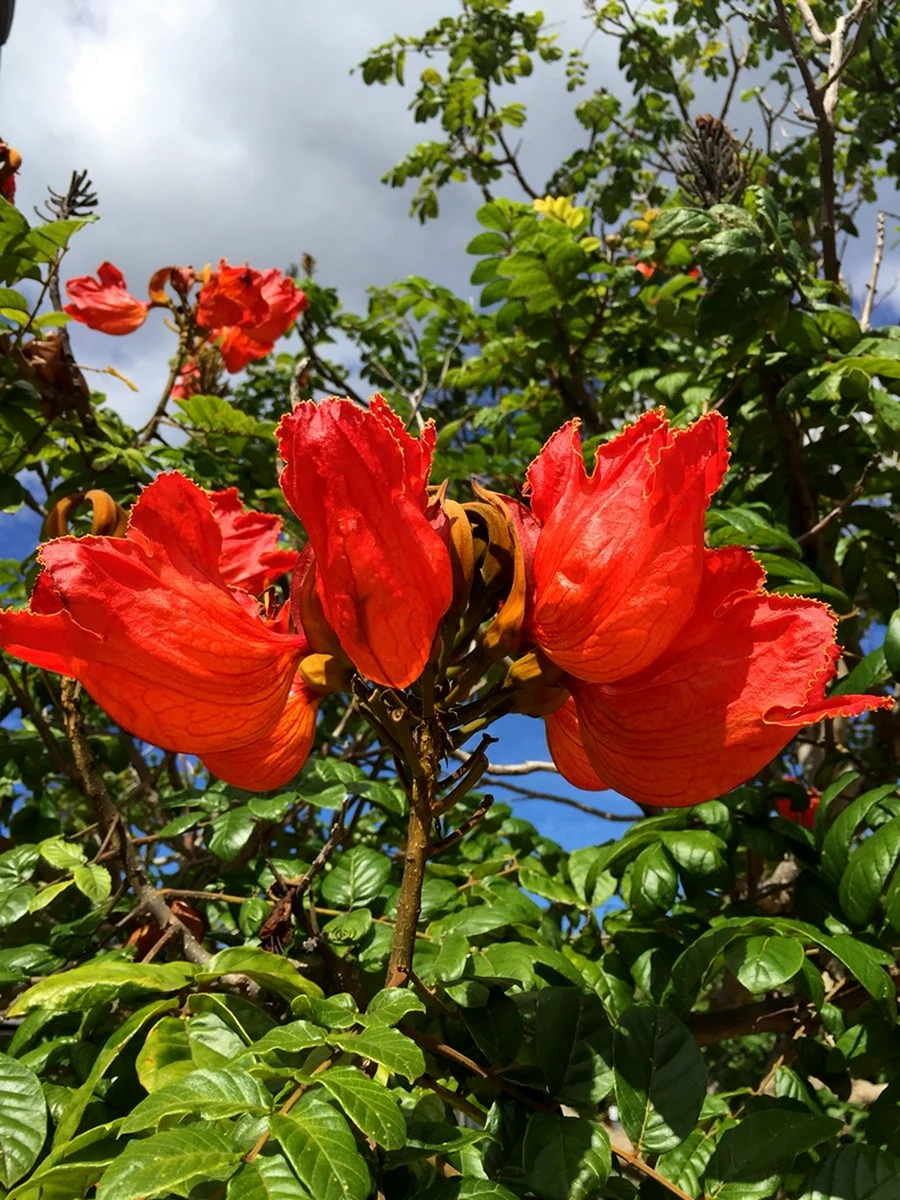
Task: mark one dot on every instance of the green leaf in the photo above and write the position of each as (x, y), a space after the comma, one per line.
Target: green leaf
(765, 962)
(23, 1120)
(113, 1047)
(268, 1177)
(868, 870)
(229, 832)
(214, 414)
(270, 971)
(102, 983)
(854, 1173)
(484, 243)
(573, 1045)
(371, 1107)
(210, 1095)
(335, 1012)
(94, 882)
(61, 854)
(166, 1056)
(838, 839)
(685, 1164)
(48, 894)
(349, 927)
(565, 1158)
(660, 1078)
(654, 882)
(318, 1144)
(173, 1161)
(892, 645)
(391, 1005)
(496, 1028)
(294, 1038)
(751, 1157)
(15, 902)
(388, 1047)
(358, 877)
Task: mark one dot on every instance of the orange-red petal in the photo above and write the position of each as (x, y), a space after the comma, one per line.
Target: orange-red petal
(251, 557)
(746, 671)
(276, 757)
(153, 631)
(104, 303)
(357, 481)
(620, 556)
(567, 749)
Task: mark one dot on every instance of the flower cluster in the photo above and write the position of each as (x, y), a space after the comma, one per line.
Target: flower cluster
(662, 669)
(243, 311)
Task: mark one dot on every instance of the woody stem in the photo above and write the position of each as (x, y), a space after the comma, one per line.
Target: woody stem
(422, 790)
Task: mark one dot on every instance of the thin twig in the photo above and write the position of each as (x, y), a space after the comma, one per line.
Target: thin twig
(108, 817)
(865, 317)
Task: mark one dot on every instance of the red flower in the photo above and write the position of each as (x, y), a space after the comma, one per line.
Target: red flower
(149, 624)
(248, 311)
(105, 304)
(619, 559)
(805, 817)
(796, 793)
(188, 382)
(251, 557)
(648, 270)
(357, 480)
(10, 161)
(687, 676)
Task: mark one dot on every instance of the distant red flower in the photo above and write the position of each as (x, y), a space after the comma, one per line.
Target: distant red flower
(247, 311)
(104, 303)
(179, 657)
(687, 677)
(648, 270)
(358, 482)
(10, 161)
(188, 382)
(794, 793)
(251, 557)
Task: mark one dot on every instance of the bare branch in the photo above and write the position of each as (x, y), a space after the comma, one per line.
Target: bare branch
(865, 317)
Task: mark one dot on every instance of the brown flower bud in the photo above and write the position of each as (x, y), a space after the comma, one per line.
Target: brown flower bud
(108, 519)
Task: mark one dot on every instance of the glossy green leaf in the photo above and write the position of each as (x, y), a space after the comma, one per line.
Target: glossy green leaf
(369, 1105)
(23, 1120)
(751, 1157)
(565, 1158)
(573, 1044)
(320, 1148)
(173, 1161)
(388, 1047)
(660, 1078)
(765, 962)
(207, 1094)
(357, 878)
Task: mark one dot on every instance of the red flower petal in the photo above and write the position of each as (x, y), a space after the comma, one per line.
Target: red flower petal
(357, 481)
(154, 633)
(239, 349)
(285, 302)
(746, 670)
(567, 749)
(105, 304)
(276, 757)
(232, 296)
(251, 557)
(620, 556)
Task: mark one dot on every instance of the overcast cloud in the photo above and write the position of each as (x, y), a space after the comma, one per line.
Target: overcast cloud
(219, 128)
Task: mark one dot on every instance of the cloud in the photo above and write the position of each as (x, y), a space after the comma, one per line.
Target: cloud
(216, 128)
